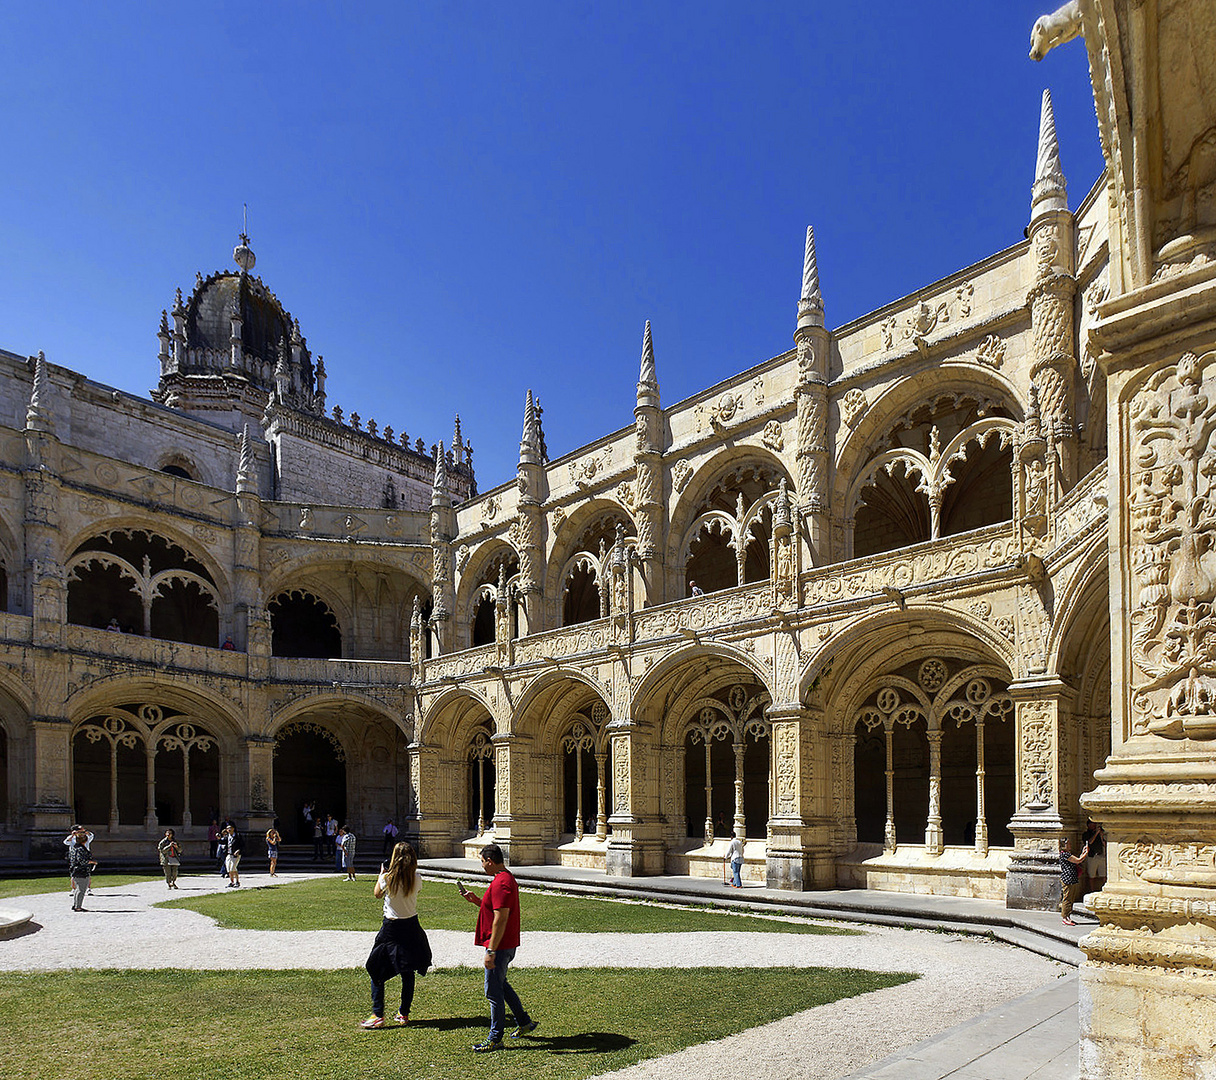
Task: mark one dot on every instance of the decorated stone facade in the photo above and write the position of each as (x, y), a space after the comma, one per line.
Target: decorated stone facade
(852, 605)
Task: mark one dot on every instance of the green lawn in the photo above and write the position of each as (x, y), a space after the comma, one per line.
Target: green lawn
(29, 886)
(97, 1025)
(335, 904)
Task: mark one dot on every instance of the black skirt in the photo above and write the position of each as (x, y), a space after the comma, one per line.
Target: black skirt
(401, 945)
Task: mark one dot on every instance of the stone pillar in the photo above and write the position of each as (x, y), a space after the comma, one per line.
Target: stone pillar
(813, 343)
(259, 754)
(648, 486)
(934, 842)
(432, 823)
(51, 813)
(530, 479)
(798, 852)
(635, 846)
(1033, 877)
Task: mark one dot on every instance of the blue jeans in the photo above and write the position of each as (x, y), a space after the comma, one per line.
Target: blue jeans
(736, 865)
(407, 994)
(500, 995)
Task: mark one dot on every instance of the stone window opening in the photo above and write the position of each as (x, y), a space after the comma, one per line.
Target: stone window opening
(587, 778)
(135, 581)
(920, 775)
(731, 536)
(943, 469)
(482, 771)
(483, 626)
(162, 768)
(301, 625)
(728, 768)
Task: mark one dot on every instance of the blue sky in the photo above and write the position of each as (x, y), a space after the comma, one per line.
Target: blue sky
(460, 201)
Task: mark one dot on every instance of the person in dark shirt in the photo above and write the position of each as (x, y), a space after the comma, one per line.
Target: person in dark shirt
(1070, 883)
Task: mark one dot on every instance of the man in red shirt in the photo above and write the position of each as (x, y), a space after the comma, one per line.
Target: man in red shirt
(498, 931)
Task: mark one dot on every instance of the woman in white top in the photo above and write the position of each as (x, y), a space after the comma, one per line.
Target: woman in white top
(401, 946)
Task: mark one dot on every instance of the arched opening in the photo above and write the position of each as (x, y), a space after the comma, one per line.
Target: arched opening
(184, 612)
(578, 776)
(869, 784)
(582, 599)
(959, 804)
(726, 765)
(756, 559)
(309, 766)
(303, 626)
(943, 468)
(911, 768)
(483, 621)
(586, 777)
(177, 470)
(187, 775)
(481, 775)
(711, 561)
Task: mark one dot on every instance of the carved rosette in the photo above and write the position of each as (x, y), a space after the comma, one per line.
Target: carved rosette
(1172, 531)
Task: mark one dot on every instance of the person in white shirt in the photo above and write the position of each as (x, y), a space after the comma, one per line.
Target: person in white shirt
(401, 946)
(734, 856)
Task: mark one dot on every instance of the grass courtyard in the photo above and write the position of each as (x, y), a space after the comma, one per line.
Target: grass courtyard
(241, 1025)
(250, 1025)
(335, 904)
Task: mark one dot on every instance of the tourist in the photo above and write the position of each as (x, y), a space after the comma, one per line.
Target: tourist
(233, 846)
(338, 849)
(229, 645)
(273, 840)
(401, 946)
(170, 858)
(348, 853)
(331, 833)
(213, 837)
(113, 626)
(390, 836)
(734, 856)
(318, 840)
(498, 931)
(694, 589)
(81, 836)
(1094, 839)
(1070, 884)
(80, 869)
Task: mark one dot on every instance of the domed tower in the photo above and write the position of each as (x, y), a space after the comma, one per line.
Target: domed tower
(232, 347)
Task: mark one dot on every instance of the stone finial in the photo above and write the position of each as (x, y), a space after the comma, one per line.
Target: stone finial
(532, 442)
(440, 495)
(179, 305)
(243, 255)
(246, 474)
(1049, 192)
(38, 417)
(810, 303)
(648, 379)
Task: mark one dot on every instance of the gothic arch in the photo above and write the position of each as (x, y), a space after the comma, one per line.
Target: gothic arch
(482, 570)
(182, 465)
(449, 714)
(646, 693)
(540, 705)
(882, 636)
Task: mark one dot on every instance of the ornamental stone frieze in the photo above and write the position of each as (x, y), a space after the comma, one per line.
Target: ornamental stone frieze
(1172, 532)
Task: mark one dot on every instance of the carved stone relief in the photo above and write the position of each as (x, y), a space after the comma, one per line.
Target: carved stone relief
(1172, 513)
(681, 473)
(772, 436)
(991, 352)
(853, 405)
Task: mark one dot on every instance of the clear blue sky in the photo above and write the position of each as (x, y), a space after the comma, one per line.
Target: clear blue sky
(459, 201)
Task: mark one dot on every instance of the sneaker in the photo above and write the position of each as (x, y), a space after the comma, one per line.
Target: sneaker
(524, 1029)
(487, 1046)
(401, 1018)
(372, 1022)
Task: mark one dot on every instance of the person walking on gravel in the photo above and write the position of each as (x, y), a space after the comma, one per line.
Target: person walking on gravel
(498, 931)
(234, 846)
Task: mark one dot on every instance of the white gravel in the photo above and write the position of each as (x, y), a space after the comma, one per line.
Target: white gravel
(961, 977)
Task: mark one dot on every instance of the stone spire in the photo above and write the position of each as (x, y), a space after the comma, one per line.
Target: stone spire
(246, 474)
(440, 494)
(38, 417)
(1049, 191)
(648, 379)
(531, 445)
(810, 304)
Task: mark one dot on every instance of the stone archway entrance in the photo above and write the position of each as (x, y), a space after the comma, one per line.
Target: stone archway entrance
(309, 767)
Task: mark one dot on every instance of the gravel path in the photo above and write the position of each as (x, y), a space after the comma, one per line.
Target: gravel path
(961, 977)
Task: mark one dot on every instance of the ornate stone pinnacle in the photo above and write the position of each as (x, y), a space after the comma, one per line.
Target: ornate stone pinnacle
(810, 304)
(439, 490)
(1049, 191)
(246, 478)
(38, 416)
(531, 444)
(648, 376)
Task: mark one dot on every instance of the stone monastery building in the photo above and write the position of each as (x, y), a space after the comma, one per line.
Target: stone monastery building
(852, 605)
(898, 670)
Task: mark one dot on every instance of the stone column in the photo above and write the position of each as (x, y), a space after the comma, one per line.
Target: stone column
(433, 823)
(51, 812)
(798, 852)
(813, 343)
(934, 842)
(635, 846)
(259, 753)
(648, 485)
(1033, 877)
